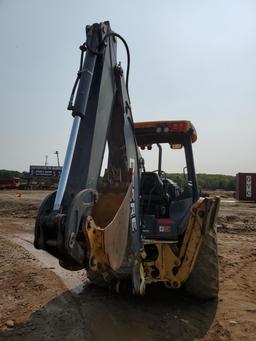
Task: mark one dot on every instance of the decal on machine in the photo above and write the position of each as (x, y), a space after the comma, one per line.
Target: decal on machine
(133, 212)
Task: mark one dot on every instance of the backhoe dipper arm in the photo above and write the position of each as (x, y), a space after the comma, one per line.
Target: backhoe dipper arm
(102, 113)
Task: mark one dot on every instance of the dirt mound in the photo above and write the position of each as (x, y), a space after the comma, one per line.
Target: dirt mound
(236, 224)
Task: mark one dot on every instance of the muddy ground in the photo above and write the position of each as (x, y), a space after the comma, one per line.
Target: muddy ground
(41, 301)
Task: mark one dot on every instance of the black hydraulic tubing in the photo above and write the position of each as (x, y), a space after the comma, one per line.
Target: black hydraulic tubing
(84, 84)
(159, 159)
(78, 113)
(113, 34)
(191, 167)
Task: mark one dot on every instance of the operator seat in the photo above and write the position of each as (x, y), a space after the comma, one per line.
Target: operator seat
(151, 194)
(151, 185)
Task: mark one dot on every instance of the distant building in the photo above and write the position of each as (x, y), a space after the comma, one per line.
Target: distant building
(9, 183)
(43, 177)
(45, 171)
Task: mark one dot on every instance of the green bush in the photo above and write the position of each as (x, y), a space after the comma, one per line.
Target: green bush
(9, 174)
(208, 181)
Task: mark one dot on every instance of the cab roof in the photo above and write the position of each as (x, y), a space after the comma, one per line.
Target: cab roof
(172, 132)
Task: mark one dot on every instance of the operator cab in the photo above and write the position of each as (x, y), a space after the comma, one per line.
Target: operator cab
(165, 203)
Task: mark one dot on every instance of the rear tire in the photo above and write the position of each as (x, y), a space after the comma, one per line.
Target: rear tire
(203, 282)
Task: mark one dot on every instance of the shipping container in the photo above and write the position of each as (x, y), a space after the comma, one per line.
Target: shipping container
(246, 186)
(9, 183)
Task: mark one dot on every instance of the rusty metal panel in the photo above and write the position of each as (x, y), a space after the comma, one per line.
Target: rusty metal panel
(246, 186)
(111, 215)
(116, 233)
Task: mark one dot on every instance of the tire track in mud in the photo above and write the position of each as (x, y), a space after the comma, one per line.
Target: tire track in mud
(97, 314)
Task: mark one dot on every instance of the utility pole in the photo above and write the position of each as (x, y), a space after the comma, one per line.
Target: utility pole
(58, 160)
(46, 160)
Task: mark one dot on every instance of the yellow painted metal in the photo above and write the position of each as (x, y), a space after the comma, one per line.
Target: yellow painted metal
(98, 259)
(202, 220)
(162, 269)
(174, 268)
(173, 265)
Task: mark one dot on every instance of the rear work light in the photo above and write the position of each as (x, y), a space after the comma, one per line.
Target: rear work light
(178, 126)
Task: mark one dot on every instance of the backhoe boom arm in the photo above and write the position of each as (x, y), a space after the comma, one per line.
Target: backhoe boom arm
(101, 109)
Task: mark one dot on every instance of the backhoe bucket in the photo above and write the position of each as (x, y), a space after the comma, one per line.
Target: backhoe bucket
(107, 230)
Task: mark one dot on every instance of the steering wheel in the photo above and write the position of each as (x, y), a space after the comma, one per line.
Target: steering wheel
(163, 173)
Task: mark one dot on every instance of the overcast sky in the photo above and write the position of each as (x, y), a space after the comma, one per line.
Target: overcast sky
(189, 60)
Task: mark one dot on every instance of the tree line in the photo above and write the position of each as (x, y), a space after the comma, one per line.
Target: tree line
(205, 181)
(208, 181)
(9, 174)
